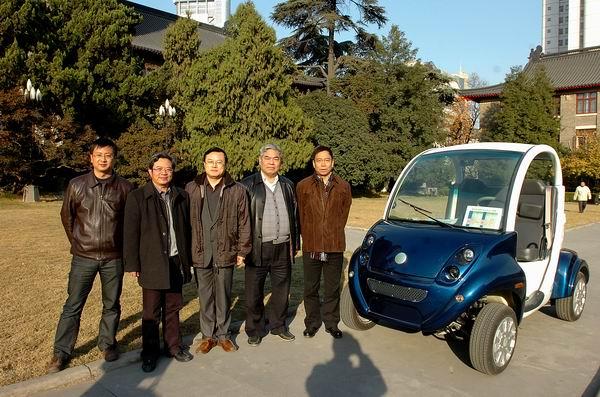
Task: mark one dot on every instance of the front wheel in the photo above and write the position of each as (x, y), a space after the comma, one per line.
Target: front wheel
(570, 308)
(493, 338)
(349, 315)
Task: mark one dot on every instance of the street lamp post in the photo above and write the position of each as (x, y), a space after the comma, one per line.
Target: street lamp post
(31, 193)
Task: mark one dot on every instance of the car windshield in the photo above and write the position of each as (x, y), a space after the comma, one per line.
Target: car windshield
(461, 188)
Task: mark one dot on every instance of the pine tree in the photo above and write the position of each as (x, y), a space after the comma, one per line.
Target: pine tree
(526, 111)
(238, 96)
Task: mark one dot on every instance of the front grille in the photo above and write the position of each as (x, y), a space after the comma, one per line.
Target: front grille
(396, 291)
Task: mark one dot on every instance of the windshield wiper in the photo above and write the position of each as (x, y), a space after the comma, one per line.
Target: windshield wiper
(426, 213)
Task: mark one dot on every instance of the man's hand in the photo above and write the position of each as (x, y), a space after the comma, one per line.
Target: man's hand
(240, 262)
(134, 274)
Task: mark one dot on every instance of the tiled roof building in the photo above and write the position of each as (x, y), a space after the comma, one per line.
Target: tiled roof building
(575, 76)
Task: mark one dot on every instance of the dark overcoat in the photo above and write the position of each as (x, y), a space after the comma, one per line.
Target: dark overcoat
(146, 236)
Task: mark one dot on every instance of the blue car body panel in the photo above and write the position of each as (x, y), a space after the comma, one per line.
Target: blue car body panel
(414, 295)
(569, 264)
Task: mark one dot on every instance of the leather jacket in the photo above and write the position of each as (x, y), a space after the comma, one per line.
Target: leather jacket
(256, 191)
(92, 216)
(233, 226)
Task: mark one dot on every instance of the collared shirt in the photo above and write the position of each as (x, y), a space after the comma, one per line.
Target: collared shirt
(270, 185)
(167, 200)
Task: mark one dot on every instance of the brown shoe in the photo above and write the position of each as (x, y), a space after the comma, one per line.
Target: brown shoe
(111, 353)
(55, 365)
(227, 345)
(206, 344)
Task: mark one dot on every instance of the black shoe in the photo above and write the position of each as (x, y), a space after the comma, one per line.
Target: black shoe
(111, 353)
(254, 340)
(286, 336)
(148, 364)
(183, 356)
(335, 332)
(309, 332)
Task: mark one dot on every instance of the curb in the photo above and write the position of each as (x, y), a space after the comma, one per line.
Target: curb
(93, 370)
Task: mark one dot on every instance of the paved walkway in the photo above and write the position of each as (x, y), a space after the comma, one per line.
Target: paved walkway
(552, 358)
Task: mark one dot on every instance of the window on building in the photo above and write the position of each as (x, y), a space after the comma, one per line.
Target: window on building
(556, 103)
(586, 102)
(560, 31)
(548, 42)
(582, 137)
(560, 19)
(561, 8)
(547, 30)
(549, 8)
(549, 19)
(560, 42)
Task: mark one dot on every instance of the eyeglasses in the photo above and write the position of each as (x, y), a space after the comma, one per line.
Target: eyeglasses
(323, 160)
(160, 170)
(103, 156)
(218, 163)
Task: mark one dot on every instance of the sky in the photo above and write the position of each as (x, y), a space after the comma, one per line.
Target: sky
(486, 37)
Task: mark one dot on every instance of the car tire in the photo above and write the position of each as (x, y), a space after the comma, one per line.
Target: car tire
(571, 307)
(349, 315)
(493, 338)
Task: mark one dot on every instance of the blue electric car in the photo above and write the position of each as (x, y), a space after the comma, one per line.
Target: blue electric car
(469, 245)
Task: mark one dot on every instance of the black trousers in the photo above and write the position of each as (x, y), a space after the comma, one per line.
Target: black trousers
(332, 272)
(162, 304)
(276, 261)
(582, 205)
(214, 294)
(81, 279)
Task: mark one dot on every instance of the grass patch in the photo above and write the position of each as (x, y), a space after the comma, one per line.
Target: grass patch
(34, 279)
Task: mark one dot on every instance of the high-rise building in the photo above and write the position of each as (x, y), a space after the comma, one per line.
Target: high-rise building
(570, 25)
(212, 12)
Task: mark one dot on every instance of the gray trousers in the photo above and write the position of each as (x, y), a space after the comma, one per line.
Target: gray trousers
(214, 293)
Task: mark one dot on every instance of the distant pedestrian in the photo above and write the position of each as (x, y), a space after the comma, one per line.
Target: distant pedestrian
(220, 240)
(324, 201)
(275, 241)
(92, 216)
(157, 252)
(582, 195)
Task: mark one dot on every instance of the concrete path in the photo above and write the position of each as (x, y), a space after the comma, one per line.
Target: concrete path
(552, 358)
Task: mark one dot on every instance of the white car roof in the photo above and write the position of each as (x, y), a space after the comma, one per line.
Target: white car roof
(513, 147)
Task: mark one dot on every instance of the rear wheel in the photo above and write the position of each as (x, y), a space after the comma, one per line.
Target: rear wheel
(493, 338)
(570, 308)
(349, 315)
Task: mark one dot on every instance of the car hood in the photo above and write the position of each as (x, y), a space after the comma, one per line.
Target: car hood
(419, 250)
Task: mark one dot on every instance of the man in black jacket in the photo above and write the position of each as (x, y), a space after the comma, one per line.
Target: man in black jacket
(275, 241)
(92, 216)
(156, 251)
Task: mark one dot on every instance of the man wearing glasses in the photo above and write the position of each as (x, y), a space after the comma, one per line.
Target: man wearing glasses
(275, 241)
(156, 251)
(220, 240)
(92, 216)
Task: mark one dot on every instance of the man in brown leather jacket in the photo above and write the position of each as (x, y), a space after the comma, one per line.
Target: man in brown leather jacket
(92, 216)
(220, 240)
(324, 201)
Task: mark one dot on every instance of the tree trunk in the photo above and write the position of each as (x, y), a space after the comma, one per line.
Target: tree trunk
(330, 59)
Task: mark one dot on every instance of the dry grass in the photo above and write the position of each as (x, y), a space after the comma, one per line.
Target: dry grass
(33, 276)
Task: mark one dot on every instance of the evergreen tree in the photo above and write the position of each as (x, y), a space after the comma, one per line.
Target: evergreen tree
(403, 98)
(315, 24)
(526, 111)
(77, 52)
(340, 125)
(238, 96)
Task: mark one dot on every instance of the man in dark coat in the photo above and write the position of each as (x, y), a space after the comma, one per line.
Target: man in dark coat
(324, 201)
(92, 216)
(275, 241)
(156, 251)
(220, 241)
